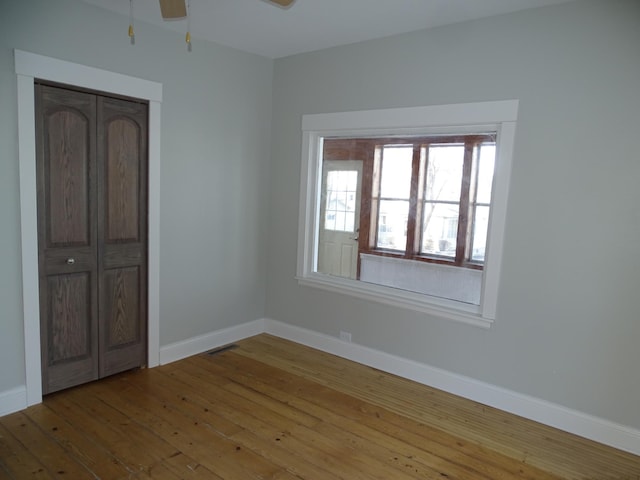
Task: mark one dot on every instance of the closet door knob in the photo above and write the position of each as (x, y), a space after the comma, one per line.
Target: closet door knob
(71, 261)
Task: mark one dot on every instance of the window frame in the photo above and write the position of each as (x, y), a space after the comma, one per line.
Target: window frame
(467, 118)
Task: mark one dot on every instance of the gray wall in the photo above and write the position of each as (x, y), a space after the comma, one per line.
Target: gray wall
(215, 165)
(568, 321)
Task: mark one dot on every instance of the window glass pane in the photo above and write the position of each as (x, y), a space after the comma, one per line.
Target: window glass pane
(340, 221)
(444, 172)
(480, 227)
(350, 201)
(330, 220)
(440, 229)
(396, 171)
(486, 162)
(352, 180)
(341, 200)
(332, 200)
(392, 224)
(349, 222)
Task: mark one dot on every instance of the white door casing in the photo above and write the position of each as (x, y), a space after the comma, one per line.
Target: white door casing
(28, 67)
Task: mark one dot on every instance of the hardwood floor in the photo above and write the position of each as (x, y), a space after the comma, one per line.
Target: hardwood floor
(272, 409)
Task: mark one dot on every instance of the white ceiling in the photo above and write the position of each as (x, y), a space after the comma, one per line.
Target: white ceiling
(259, 27)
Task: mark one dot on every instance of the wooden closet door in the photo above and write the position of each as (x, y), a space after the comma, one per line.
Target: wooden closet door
(92, 235)
(67, 236)
(122, 234)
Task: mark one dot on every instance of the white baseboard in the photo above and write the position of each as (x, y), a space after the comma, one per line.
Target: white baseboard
(13, 400)
(557, 416)
(202, 343)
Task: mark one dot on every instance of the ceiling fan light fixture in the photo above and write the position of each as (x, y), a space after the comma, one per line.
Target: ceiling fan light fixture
(173, 9)
(282, 3)
(178, 9)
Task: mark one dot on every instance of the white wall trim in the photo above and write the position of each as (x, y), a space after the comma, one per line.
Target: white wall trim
(557, 416)
(30, 66)
(12, 400)
(412, 117)
(208, 341)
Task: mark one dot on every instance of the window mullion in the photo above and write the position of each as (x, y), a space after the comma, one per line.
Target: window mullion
(367, 153)
(413, 236)
(463, 218)
(375, 196)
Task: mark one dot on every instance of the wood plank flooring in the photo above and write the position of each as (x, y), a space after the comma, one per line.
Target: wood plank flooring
(272, 409)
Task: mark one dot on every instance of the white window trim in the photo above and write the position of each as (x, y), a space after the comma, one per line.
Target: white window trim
(499, 116)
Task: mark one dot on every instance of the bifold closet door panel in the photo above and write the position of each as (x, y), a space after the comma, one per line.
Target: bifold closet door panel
(122, 233)
(67, 236)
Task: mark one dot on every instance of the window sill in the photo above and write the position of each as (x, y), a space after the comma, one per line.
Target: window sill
(447, 309)
(425, 258)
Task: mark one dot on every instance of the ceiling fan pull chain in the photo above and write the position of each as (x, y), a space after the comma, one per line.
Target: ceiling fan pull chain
(132, 35)
(188, 36)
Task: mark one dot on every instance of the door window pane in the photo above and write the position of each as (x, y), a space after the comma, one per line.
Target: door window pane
(340, 209)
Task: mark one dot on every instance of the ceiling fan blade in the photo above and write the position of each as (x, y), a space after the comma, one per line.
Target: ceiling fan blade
(171, 9)
(282, 3)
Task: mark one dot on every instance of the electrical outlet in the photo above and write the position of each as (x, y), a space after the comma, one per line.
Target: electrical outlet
(345, 336)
